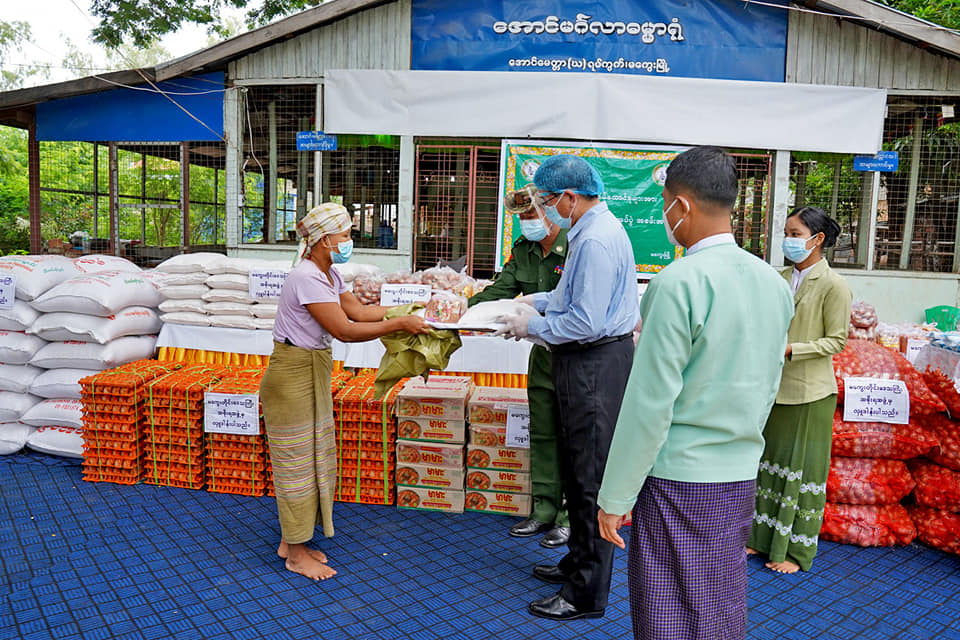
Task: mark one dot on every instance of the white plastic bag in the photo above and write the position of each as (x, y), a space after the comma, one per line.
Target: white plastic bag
(180, 279)
(55, 412)
(57, 441)
(95, 263)
(59, 383)
(100, 294)
(192, 305)
(183, 291)
(13, 405)
(186, 317)
(264, 310)
(233, 322)
(228, 309)
(132, 321)
(351, 270)
(13, 437)
(19, 318)
(191, 262)
(17, 377)
(37, 274)
(90, 355)
(233, 281)
(226, 295)
(16, 347)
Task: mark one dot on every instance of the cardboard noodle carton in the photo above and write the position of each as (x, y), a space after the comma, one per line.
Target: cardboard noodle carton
(488, 405)
(421, 475)
(433, 401)
(505, 458)
(428, 499)
(435, 429)
(511, 504)
(488, 435)
(497, 480)
(435, 454)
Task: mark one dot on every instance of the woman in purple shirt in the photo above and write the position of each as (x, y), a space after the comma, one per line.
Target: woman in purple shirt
(315, 307)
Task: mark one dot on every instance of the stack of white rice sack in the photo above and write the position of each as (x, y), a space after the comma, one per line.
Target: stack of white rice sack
(71, 318)
(210, 289)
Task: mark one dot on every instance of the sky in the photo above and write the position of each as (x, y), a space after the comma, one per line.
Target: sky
(53, 21)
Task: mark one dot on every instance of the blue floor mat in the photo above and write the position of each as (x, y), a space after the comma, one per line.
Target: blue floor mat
(103, 561)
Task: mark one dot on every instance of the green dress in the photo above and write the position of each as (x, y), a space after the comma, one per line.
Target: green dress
(529, 271)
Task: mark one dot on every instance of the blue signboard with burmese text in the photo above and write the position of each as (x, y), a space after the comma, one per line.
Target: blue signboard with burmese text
(722, 39)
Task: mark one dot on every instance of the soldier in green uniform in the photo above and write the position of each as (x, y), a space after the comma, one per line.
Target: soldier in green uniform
(536, 264)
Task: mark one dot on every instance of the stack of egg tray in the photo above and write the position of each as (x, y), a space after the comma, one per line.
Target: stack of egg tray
(238, 463)
(174, 451)
(366, 430)
(113, 408)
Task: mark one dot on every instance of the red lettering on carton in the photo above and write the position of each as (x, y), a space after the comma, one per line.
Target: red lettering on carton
(431, 458)
(437, 495)
(431, 410)
(506, 453)
(438, 424)
(505, 497)
(435, 472)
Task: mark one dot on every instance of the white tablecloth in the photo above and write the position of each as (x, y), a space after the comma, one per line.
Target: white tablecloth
(480, 354)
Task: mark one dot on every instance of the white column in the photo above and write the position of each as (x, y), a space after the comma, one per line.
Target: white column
(408, 163)
(233, 221)
(780, 179)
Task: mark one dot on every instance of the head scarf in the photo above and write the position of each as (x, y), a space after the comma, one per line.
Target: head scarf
(321, 221)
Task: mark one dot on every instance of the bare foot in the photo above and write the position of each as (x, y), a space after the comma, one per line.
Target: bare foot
(305, 565)
(283, 551)
(750, 552)
(783, 567)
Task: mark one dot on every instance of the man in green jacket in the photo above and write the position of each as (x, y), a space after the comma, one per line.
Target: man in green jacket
(536, 264)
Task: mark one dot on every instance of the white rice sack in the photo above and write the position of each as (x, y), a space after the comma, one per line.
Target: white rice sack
(265, 310)
(19, 318)
(13, 405)
(56, 412)
(132, 321)
(180, 279)
(233, 281)
(90, 355)
(60, 383)
(263, 323)
(191, 262)
(186, 317)
(18, 377)
(100, 294)
(486, 313)
(96, 263)
(57, 441)
(174, 305)
(350, 270)
(233, 322)
(183, 291)
(13, 437)
(228, 309)
(16, 347)
(37, 274)
(242, 266)
(226, 295)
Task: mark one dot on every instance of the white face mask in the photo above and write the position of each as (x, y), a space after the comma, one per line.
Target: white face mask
(666, 224)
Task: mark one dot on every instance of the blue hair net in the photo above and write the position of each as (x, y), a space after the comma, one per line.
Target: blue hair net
(568, 173)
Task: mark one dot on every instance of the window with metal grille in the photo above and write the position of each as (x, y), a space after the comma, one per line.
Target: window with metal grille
(749, 219)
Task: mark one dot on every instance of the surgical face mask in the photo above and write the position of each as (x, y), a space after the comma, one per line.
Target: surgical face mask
(343, 252)
(554, 216)
(795, 249)
(666, 224)
(534, 230)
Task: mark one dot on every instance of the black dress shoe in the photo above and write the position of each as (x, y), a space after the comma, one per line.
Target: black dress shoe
(556, 537)
(557, 608)
(550, 573)
(528, 527)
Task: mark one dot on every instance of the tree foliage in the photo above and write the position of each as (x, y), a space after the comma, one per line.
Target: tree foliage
(946, 13)
(143, 21)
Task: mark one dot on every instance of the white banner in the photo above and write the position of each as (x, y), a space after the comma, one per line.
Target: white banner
(875, 400)
(614, 107)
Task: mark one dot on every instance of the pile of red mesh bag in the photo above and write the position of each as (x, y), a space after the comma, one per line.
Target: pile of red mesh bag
(882, 439)
(865, 481)
(867, 525)
(863, 359)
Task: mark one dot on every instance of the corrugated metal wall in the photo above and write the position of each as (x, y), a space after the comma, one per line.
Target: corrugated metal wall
(824, 50)
(377, 38)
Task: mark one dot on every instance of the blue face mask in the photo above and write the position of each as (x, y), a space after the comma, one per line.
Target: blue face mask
(554, 216)
(795, 249)
(343, 252)
(533, 230)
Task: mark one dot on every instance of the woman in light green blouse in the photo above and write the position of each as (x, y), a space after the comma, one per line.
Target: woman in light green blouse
(792, 482)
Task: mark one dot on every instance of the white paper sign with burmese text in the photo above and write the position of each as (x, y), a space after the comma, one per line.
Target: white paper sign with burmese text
(233, 413)
(8, 290)
(393, 294)
(875, 400)
(518, 426)
(265, 284)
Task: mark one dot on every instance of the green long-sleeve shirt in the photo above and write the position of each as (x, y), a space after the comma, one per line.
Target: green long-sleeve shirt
(705, 374)
(527, 271)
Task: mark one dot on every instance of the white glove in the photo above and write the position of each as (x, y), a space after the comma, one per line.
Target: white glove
(528, 300)
(514, 324)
